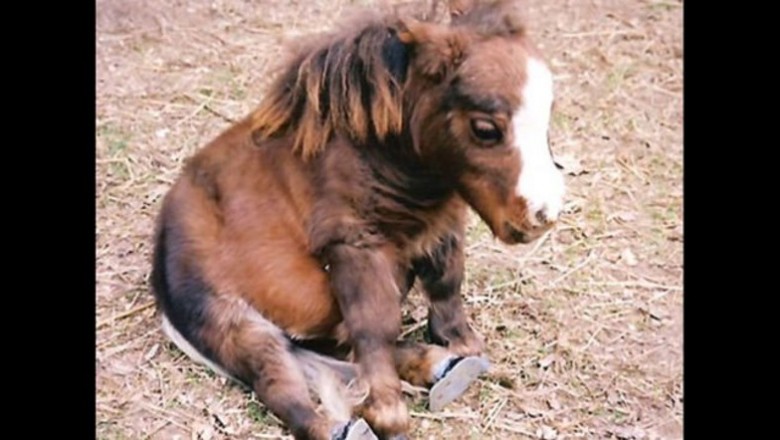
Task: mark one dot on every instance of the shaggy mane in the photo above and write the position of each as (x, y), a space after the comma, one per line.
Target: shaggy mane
(350, 85)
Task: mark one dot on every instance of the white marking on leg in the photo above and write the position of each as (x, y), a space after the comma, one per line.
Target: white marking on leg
(540, 183)
(191, 351)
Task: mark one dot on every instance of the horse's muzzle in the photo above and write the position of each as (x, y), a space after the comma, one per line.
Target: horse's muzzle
(513, 235)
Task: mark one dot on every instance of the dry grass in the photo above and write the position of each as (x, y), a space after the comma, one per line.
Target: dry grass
(584, 328)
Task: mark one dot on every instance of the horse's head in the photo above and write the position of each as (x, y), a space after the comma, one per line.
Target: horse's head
(474, 96)
(479, 99)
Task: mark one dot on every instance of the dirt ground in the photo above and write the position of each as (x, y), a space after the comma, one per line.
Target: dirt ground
(584, 328)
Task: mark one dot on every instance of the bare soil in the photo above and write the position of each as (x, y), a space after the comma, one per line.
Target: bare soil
(584, 328)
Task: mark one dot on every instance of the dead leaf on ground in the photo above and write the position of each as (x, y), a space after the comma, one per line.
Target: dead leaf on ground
(628, 257)
(570, 165)
(152, 352)
(546, 361)
(546, 433)
(653, 312)
(629, 433)
(573, 206)
(531, 410)
(622, 217)
(202, 431)
(613, 397)
(419, 314)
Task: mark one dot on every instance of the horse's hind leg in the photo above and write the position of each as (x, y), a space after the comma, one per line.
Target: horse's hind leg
(253, 351)
(448, 374)
(226, 333)
(249, 348)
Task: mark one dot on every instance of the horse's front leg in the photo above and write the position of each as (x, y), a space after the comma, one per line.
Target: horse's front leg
(363, 281)
(453, 369)
(441, 274)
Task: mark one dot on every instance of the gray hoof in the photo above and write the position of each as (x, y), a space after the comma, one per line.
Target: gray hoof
(456, 379)
(354, 430)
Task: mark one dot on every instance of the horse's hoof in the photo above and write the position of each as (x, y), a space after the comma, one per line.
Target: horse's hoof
(456, 379)
(354, 430)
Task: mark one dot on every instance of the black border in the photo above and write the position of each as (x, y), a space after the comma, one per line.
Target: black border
(62, 136)
(60, 73)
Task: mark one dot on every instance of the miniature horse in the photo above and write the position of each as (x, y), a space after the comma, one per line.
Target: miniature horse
(310, 219)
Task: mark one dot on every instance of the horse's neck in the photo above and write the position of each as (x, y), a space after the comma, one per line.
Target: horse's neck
(397, 168)
(412, 203)
(375, 193)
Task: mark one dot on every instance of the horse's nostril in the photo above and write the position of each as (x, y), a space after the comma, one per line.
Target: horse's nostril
(544, 217)
(541, 216)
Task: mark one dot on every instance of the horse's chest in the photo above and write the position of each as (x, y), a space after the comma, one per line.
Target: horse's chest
(437, 228)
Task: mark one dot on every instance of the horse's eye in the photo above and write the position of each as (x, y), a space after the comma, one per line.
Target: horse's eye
(486, 130)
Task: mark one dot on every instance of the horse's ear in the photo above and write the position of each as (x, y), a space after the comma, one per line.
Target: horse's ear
(489, 17)
(459, 7)
(437, 49)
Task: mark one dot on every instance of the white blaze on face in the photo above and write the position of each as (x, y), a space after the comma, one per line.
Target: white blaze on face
(540, 183)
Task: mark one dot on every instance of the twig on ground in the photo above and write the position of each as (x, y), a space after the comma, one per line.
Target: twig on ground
(493, 414)
(124, 315)
(414, 328)
(640, 284)
(515, 430)
(443, 416)
(572, 270)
